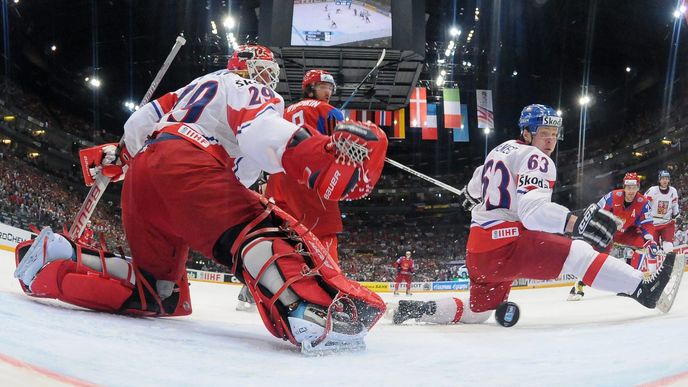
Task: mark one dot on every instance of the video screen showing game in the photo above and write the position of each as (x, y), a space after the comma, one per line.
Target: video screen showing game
(342, 23)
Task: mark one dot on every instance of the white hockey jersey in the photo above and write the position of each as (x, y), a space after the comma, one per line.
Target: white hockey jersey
(515, 185)
(234, 119)
(664, 204)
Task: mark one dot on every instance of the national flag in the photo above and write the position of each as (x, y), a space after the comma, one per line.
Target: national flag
(383, 118)
(399, 124)
(485, 116)
(417, 106)
(429, 131)
(452, 108)
(461, 134)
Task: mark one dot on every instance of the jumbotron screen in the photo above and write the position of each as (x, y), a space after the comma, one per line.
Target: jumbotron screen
(342, 23)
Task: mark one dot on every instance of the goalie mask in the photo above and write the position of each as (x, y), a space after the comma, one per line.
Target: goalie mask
(255, 62)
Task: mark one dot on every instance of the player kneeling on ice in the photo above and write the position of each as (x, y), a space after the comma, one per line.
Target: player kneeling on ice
(516, 232)
(196, 150)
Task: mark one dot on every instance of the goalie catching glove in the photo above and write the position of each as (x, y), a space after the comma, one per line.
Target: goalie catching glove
(597, 227)
(108, 159)
(344, 166)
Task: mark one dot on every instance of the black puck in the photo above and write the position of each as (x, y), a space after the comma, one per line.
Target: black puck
(507, 314)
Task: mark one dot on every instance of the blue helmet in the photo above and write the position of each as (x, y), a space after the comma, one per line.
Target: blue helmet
(663, 173)
(533, 116)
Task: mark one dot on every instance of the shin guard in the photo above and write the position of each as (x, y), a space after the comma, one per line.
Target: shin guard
(282, 264)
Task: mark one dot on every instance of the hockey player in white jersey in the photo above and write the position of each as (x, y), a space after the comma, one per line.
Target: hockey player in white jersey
(665, 209)
(517, 232)
(192, 153)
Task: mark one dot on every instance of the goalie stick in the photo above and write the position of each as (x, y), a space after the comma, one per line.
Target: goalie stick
(101, 182)
(377, 65)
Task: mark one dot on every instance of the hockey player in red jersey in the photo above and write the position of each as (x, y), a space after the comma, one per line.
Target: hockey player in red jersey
(405, 270)
(196, 150)
(314, 113)
(86, 238)
(629, 205)
(516, 233)
(633, 208)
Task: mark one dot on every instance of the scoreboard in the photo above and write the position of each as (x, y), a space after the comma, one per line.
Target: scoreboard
(318, 36)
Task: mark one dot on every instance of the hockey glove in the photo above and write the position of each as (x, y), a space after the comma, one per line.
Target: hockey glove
(469, 202)
(106, 159)
(344, 166)
(596, 226)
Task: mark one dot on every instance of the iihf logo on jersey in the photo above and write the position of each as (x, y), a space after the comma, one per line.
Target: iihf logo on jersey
(502, 233)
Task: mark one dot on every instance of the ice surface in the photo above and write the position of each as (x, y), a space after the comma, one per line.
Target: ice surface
(603, 341)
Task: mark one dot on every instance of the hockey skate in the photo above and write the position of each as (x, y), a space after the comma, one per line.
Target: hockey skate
(576, 293)
(245, 301)
(37, 256)
(322, 331)
(659, 291)
(407, 309)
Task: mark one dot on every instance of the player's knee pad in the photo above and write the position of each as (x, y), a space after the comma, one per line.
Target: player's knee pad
(93, 279)
(282, 263)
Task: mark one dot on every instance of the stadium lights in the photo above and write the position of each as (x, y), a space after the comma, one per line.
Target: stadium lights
(213, 27)
(440, 81)
(53, 47)
(447, 52)
(440, 61)
(486, 131)
(584, 100)
(666, 141)
(95, 82)
(229, 22)
(443, 73)
(559, 112)
(6, 141)
(455, 32)
(514, 73)
(628, 69)
(33, 155)
(130, 105)
(677, 14)
(682, 8)
(8, 118)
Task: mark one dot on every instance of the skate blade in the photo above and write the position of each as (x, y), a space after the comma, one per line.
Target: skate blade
(332, 347)
(574, 297)
(666, 300)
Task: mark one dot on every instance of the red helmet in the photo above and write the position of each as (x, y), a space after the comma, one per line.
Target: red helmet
(631, 178)
(255, 62)
(316, 76)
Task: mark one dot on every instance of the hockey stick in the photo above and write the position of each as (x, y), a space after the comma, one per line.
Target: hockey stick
(101, 182)
(379, 61)
(460, 192)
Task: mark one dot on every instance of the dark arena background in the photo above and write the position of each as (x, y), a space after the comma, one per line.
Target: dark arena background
(454, 77)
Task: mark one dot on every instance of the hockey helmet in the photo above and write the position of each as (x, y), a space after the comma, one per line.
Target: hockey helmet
(631, 178)
(536, 115)
(663, 173)
(255, 62)
(314, 77)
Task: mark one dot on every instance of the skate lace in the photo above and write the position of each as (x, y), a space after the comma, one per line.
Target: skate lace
(350, 151)
(650, 278)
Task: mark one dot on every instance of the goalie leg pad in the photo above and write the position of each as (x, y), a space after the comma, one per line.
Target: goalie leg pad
(283, 265)
(73, 282)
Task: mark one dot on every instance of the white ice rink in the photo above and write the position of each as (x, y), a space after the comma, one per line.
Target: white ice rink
(602, 341)
(350, 28)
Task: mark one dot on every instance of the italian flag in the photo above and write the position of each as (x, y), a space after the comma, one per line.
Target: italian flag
(452, 108)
